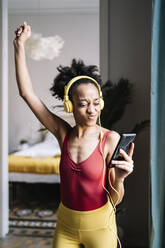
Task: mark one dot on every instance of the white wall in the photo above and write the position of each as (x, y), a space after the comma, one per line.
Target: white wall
(81, 34)
(3, 119)
(129, 57)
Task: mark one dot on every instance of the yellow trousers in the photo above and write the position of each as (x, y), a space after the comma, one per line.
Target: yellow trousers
(93, 229)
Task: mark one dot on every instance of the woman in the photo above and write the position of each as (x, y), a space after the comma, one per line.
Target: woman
(86, 216)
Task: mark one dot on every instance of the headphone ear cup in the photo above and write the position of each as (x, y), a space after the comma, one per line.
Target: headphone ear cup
(68, 106)
(101, 103)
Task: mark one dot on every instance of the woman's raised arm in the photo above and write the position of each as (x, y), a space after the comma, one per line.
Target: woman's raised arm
(52, 122)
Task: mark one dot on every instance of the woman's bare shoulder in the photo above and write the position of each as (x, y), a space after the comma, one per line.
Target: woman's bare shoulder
(113, 135)
(111, 140)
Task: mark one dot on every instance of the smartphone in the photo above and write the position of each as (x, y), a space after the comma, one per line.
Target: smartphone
(124, 143)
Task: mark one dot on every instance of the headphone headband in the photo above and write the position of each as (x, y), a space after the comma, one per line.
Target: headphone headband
(67, 87)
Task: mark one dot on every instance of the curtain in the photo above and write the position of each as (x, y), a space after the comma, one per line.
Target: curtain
(158, 126)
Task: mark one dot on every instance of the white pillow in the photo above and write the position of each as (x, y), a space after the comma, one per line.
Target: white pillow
(48, 148)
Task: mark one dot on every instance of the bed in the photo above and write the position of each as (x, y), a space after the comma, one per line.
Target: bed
(38, 163)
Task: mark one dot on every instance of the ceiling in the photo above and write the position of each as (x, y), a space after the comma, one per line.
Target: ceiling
(39, 6)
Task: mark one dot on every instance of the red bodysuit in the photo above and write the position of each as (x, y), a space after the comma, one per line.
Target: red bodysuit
(81, 183)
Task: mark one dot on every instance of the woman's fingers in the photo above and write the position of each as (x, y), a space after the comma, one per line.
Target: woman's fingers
(19, 31)
(131, 150)
(125, 155)
(127, 163)
(22, 33)
(22, 28)
(120, 164)
(123, 165)
(26, 27)
(127, 170)
(128, 157)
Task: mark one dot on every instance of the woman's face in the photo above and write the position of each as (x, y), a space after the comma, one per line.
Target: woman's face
(86, 104)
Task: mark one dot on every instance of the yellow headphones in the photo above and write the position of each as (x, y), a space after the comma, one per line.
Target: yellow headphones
(68, 106)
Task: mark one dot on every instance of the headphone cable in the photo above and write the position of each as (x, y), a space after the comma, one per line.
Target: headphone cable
(109, 195)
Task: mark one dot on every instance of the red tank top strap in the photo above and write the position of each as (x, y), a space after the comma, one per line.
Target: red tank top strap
(105, 138)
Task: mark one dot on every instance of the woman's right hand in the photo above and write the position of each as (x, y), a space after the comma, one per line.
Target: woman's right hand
(22, 33)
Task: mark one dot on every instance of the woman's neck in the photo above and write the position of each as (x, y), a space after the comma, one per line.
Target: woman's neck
(82, 131)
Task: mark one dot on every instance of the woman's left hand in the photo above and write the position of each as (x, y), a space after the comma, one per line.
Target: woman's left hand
(124, 167)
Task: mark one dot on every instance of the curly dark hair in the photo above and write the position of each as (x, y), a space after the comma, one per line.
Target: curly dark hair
(66, 73)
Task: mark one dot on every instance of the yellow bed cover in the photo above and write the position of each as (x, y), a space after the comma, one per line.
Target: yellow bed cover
(26, 164)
